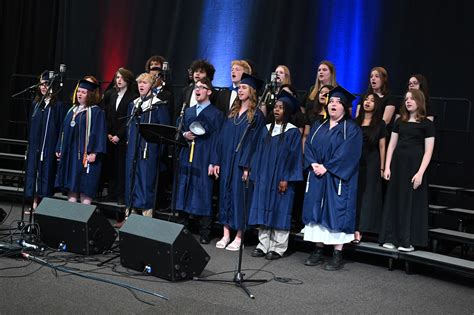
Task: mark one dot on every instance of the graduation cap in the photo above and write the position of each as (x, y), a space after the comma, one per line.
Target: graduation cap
(88, 85)
(198, 128)
(344, 95)
(288, 99)
(251, 80)
(45, 75)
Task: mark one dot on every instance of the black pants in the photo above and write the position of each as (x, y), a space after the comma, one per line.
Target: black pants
(205, 223)
(116, 170)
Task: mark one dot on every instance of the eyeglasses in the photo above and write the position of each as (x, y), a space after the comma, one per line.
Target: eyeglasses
(413, 83)
(201, 87)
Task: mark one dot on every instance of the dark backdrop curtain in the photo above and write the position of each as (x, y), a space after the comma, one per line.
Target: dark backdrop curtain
(434, 38)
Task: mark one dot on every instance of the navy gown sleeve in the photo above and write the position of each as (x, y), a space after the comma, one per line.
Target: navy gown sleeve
(250, 143)
(293, 167)
(219, 120)
(98, 135)
(309, 154)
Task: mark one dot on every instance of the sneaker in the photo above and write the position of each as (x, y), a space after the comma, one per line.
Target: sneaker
(388, 245)
(406, 249)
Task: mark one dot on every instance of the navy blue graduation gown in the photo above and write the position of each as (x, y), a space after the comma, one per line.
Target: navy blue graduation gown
(147, 156)
(330, 200)
(274, 161)
(194, 194)
(72, 175)
(231, 188)
(45, 128)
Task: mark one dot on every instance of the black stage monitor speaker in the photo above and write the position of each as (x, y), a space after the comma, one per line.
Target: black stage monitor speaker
(163, 249)
(74, 227)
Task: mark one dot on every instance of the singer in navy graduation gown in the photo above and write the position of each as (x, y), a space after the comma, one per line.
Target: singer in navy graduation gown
(332, 152)
(275, 161)
(142, 195)
(195, 186)
(275, 167)
(194, 193)
(325, 203)
(82, 144)
(232, 162)
(44, 130)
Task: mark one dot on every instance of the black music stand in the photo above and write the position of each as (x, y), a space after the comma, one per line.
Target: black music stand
(156, 133)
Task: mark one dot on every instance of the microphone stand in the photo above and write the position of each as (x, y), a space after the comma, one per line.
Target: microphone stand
(136, 116)
(33, 87)
(238, 279)
(176, 160)
(21, 223)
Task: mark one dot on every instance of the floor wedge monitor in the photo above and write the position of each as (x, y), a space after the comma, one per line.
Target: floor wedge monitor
(74, 227)
(163, 249)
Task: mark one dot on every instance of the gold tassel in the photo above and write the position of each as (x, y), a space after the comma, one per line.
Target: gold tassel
(325, 114)
(74, 94)
(191, 154)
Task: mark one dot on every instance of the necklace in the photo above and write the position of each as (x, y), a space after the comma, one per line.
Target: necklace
(75, 112)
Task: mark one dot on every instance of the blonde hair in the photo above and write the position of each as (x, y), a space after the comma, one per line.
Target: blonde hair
(145, 77)
(317, 83)
(287, 74)
(244, 64)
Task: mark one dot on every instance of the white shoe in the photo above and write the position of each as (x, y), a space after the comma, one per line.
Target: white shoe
(406, 249)
(388, 245)
(148, 213)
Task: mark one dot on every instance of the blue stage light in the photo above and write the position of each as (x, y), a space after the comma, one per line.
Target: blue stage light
(351, 29)
(222, 35)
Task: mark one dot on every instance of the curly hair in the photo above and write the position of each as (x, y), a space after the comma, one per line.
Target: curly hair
(205, 66)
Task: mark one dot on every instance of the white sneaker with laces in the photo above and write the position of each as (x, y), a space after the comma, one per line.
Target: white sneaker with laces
(388, 245)
(406, 249)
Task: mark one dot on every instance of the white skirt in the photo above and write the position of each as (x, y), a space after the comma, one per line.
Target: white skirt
(319, 234)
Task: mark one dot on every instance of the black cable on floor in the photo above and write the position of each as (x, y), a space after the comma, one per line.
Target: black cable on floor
(68, 270)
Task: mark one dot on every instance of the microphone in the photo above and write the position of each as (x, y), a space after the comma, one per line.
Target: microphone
(165, 68)
(273, 79)
(62, 72)
(273, 85)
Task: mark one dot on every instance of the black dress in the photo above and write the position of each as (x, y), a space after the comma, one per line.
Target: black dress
(405, 212)
(389, 100)
(369, 193)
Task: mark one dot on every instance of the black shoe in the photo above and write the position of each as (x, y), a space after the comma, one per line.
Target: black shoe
(205, 240)
(257, 252)
(272, 255)
(336, 262)
(316, 257)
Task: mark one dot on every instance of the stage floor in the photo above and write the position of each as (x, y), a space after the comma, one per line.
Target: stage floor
(362, 286)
